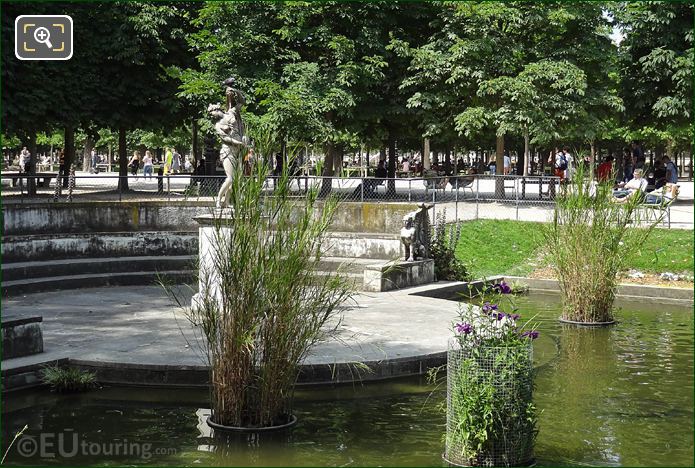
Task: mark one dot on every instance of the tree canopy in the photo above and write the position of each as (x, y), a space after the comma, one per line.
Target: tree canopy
(342, 75)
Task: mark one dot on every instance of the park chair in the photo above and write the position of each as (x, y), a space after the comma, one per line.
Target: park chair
(433, 181)
(657, 204)
(463, 182)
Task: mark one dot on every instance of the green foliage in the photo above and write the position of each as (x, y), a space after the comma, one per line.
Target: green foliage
(491, 419)
(261, 305)
(70, 379)
(447, 266)
(55, 139)
(589, 240)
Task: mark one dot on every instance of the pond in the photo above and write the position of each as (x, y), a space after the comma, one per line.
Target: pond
(613, 396)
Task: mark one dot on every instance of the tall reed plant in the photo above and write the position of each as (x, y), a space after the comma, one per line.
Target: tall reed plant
(589, 240)
(262, 306)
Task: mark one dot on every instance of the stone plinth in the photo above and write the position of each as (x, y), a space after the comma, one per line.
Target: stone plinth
(21, 336)
(398, 275)
(212, 228)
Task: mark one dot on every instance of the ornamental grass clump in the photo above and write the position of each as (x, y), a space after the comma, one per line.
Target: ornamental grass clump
(491, 418)
(262, 306)
(588, 242)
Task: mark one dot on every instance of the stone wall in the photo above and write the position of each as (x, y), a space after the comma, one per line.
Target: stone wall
(44, 218)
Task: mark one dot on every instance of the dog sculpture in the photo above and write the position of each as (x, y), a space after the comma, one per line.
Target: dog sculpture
(415, 233)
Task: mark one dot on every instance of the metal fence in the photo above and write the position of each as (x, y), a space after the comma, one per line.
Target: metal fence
(464, 197)
(498, 380)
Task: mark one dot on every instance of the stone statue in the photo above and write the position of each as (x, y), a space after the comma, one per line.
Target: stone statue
(415, 234)
(230, 129)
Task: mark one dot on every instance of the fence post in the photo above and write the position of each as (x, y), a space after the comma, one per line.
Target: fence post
(120, 188)
(362, 190)
(516, 192)
(410, 181)
(477, 195)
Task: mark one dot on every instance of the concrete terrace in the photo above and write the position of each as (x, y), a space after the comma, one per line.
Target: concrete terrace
(140, 326)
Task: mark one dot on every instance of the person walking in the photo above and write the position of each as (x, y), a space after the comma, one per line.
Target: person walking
(507, 163)
(175, 162)
(560, 163)
(168, 160)
(134, 164)
(24, 158)
(671, 170)
(638, 157)
(147, 165)
(93, 161)
(628, 165)
(570, 163)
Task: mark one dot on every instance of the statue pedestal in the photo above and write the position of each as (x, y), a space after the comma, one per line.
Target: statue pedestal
(213, 228)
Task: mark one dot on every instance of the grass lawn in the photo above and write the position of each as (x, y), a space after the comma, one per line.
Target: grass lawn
(501, 247)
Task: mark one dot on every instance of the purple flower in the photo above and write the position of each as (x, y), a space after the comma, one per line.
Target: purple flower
(533, 334)
(513, 316)
(464, 328)
(499, 315)
(488, 308)
(502, 288)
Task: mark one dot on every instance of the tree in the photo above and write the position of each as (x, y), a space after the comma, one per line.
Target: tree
(656, 68)
(535, 103)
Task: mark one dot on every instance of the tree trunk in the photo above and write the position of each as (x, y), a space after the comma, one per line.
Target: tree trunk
(194, 142)
(327, 173)
(592, 159)
(426, 164)
(69, 153)
(87, 154)
(527, 153)
(391, 169)
(122, 161)
(338, 155)
(499, 166)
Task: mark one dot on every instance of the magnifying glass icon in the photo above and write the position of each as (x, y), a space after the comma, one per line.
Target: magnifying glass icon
(43, 36)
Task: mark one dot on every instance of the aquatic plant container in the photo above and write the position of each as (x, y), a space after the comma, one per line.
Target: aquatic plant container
(491, 418)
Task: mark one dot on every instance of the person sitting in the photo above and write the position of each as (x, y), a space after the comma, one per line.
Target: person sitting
(603, 173)
(669, 192)
(634, 187)
(659, 176)
(379, 175)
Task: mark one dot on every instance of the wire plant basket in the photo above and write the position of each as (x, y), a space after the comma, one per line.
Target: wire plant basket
(490, 412)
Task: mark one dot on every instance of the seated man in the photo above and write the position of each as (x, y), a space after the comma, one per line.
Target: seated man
(379, 176)
(636, 185)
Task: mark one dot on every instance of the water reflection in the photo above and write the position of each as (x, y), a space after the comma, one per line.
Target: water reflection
(613, 396)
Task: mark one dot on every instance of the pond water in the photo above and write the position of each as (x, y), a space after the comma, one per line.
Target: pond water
(613, 396)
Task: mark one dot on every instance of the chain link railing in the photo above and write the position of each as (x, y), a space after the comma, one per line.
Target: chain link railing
(463, 196)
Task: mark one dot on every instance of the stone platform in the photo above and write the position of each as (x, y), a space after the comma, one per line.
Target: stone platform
(135, 335)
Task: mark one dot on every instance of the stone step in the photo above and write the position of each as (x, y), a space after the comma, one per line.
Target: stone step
(91, 280)
(82, 266)
(356, 279)
(96, 272)
(38, 247)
